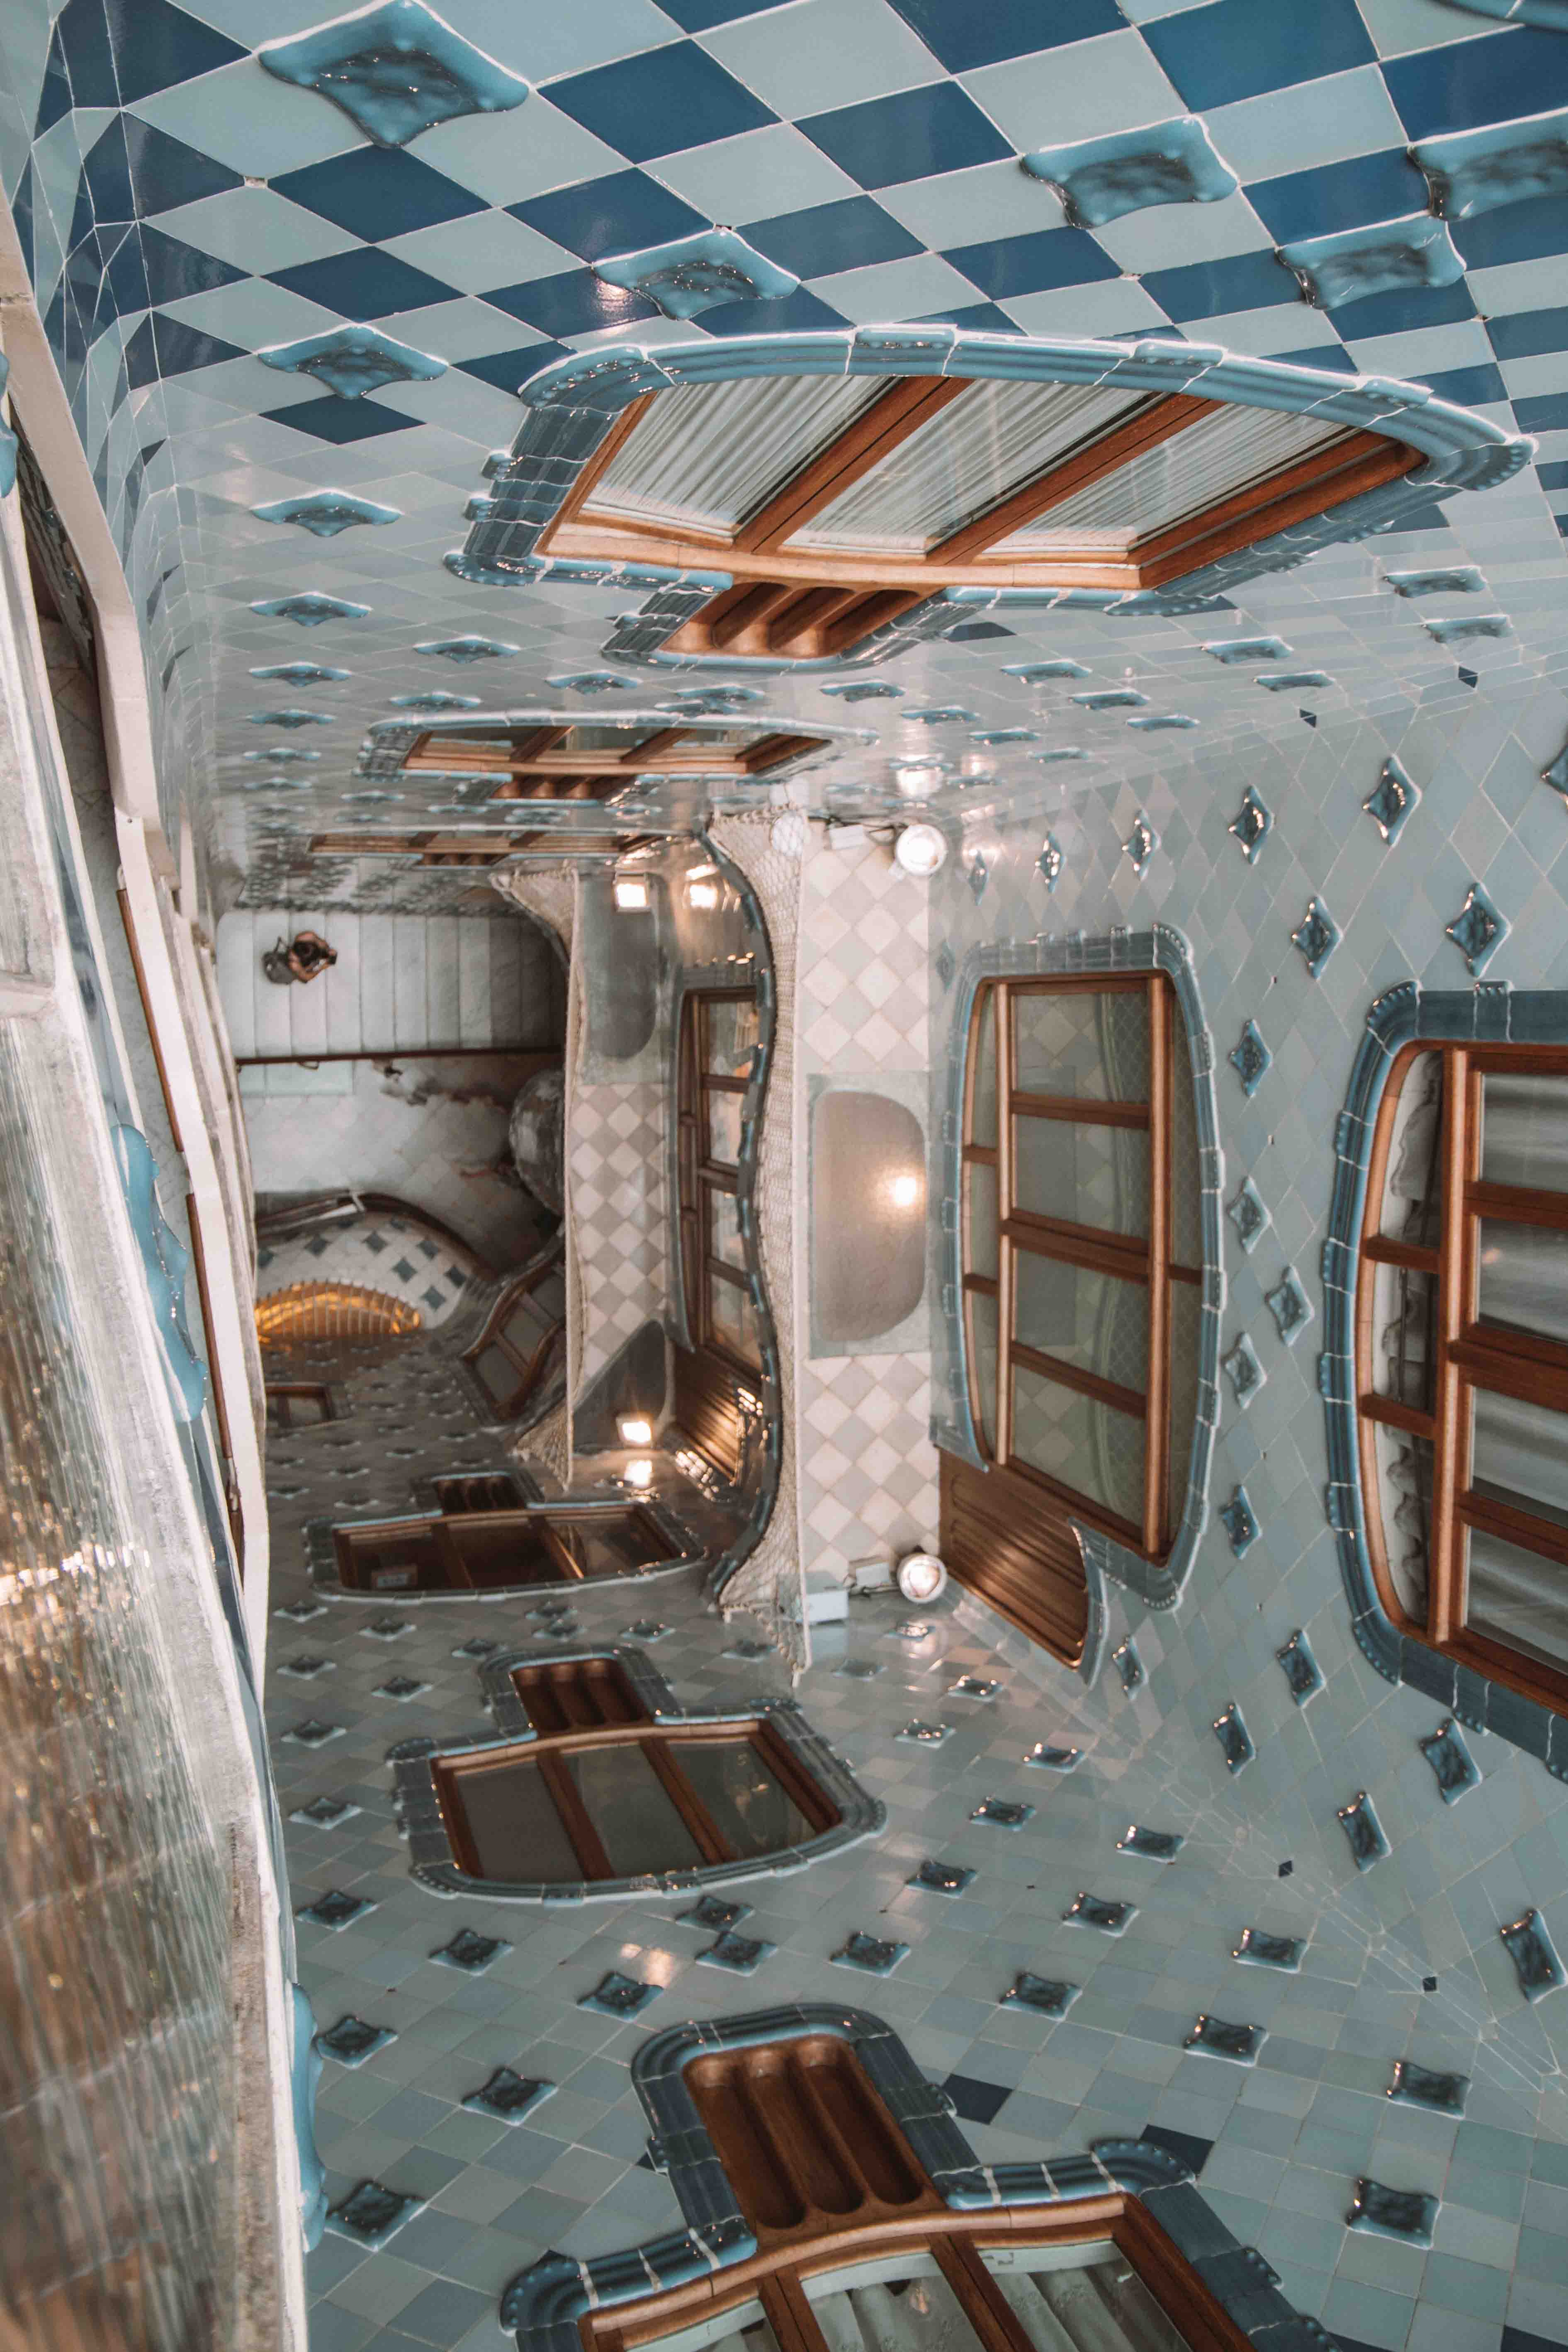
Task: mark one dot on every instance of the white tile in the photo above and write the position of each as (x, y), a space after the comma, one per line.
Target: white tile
(757, 174)
(1081, 90)
(1310, 123)
(866, 49)
(411, 1023)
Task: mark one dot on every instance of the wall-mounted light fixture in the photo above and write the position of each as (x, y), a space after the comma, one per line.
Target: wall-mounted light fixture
(634, 1430)
(631, 894)
(921, 1577)
(920, 850)
(639, 1472)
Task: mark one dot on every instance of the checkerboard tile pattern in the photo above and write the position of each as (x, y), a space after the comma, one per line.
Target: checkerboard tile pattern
(620, 1213)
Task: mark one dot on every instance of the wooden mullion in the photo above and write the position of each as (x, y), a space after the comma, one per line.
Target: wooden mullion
(1379, 1250)
(773, 750)
(1081, 1110)
(576, 1818)
(1157, 1436)
(754, 610)
(1078, 1377)
(1192, 1274)
(874, 610)
(1444, 1599)
(1002, 1024)
(790, 2314)
(663, 739)
(1517, 1206)
(1395, 1415)
(1114, 448)
(569, 1568)
(710, 1841)
(810, 608)
(1511, 1525)
(874, 435)
(985, 1285)
(1086, 1245)
(1538, 1378)
(995, 2323)
(980, 1155)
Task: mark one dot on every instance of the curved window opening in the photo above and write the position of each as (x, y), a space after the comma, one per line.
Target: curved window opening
(521, 1345)
(1082, 1263)
(1462, 1358)
(837, 503)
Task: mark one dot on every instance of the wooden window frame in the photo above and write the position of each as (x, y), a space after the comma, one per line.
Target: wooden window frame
(700, 1177)
(1150, 1265)
(532, 766)
(531, 1369)
(810, 604)
(543, 1523)
(1467, 1355)
(659, 1742)
(280, 1394)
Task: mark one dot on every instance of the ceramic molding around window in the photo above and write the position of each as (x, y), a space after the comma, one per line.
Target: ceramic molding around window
(1158, 950)
(1492, 1013)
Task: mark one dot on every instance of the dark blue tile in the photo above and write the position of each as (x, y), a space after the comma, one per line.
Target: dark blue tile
(155, 45)
(1547, 415)
(702, 16)
(1185, 2146)
(54, 95)
(175, 270)
(619, 214)
(1339, 196)
(507, 370)
(1527, 334)
(105, 184)
(1401, 313)
(976, 319)
(799, 313)
(660, 101)
(1238, 48)
(164, 172)
(182, 348)
(1321, 355)
(1555, 477)
(1495, 80)
(963, 35)
(574, 303)
(849, 234)
(1524, 2339)
(377, 192)
(914, 135)
(340, 421)
(1513, 233)
(1208, 290)
(367, 285)
(141, 352)
(22, 213)
(1033, 264)
(125, 279)
(976, 2102)
(1470, 386)
(81, 40)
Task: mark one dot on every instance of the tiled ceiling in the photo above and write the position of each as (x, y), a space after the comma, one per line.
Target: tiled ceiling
(183, 210)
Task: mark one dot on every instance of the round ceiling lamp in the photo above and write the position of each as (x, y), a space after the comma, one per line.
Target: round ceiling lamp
(921, 1577)
(920, 850)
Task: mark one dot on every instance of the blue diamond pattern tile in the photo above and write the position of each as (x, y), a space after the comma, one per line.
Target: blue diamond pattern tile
(508, 2097)
(666, 99)
(395, 70)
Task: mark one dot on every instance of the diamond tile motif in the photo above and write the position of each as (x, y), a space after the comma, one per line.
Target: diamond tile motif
(1453, 1766)
(395, 70)
(1250, 1059)
(508, 2097)
(1392, 799)
(741, 1954)
(941, 1877)
(351, 2041)
(873, 1955)
(1049, 1995)
(372, 2214)
(619, 1995)
(1477, 930)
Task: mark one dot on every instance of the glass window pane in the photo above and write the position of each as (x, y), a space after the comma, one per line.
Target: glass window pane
(639, 1826)
(1074, 1042)
(1100, 2302)
(742, 2330)
(981, 1256)
(1178, 478)
(1405, 1505)
(516, 1832)
(1519, 1454)
(733, 1321)
(961, 462)
(498, 1374)
(1524, 1131)
(1404, 1306)
(982, 1331)
(733, 1030)
(1524, 1278)
(983, 1097)
(1082, 1174)
(905, 2305)
(723, 1127)
(1187, 1193)
(610, 1543)
(724, 1241)
(748, 1806)
(710, 455)
(1413, 1189)
(1518, 1597)
(1080, 1442)
(1090, 1320)
(1186, 1317)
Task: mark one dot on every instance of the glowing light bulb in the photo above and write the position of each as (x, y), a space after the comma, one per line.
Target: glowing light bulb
(639, 1472)
(702, 894)
(904, 1191)
(634, 1430)
(920, 850)
(921, 1576)
(631, 893)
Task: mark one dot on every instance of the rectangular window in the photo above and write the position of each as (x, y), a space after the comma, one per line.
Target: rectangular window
(472, 1549)
(298, 1404)
(523, 1347)
(721, 1034)
(1462, 1358)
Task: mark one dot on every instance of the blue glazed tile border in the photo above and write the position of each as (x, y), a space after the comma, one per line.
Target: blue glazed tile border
(543, 2304)
(1160, 949)
(1492, 1012)
(430, 1861)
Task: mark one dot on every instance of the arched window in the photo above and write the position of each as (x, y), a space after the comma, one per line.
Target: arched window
(1083, 1264)
(1462, 1358)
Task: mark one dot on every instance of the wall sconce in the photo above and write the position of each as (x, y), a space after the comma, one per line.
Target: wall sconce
(904, 1191)
(639, 1472)
(631, 894)
(921, 1577)
(704, 895)
(634, 1430)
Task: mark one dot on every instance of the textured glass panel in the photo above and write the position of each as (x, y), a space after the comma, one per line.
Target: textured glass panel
(1090, 1320)
(1404, 1505)
(981, 1257)
(724, 1241)
(961, 462)
(1524, 1131)
(1413, 1189)
(634, 1814)
(516, 1832)
(1180, 477)
(733, 1030)
(1404, 1306)
(742, 2330)
(500, 1375)
(1100, 2303)
(982, 1331)
(723, 1126)
(1073, 1042)
(1186, 1184)
(1520, 1455)
(733, 1321)
(749, 1808)
(983, 1099)
(1081, 1444)
(609, 1543)
(710, 455)
(1524, 1278)
(1085, 1175)
(914, 2310)
(1186, 1315)
(1517, 1596)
